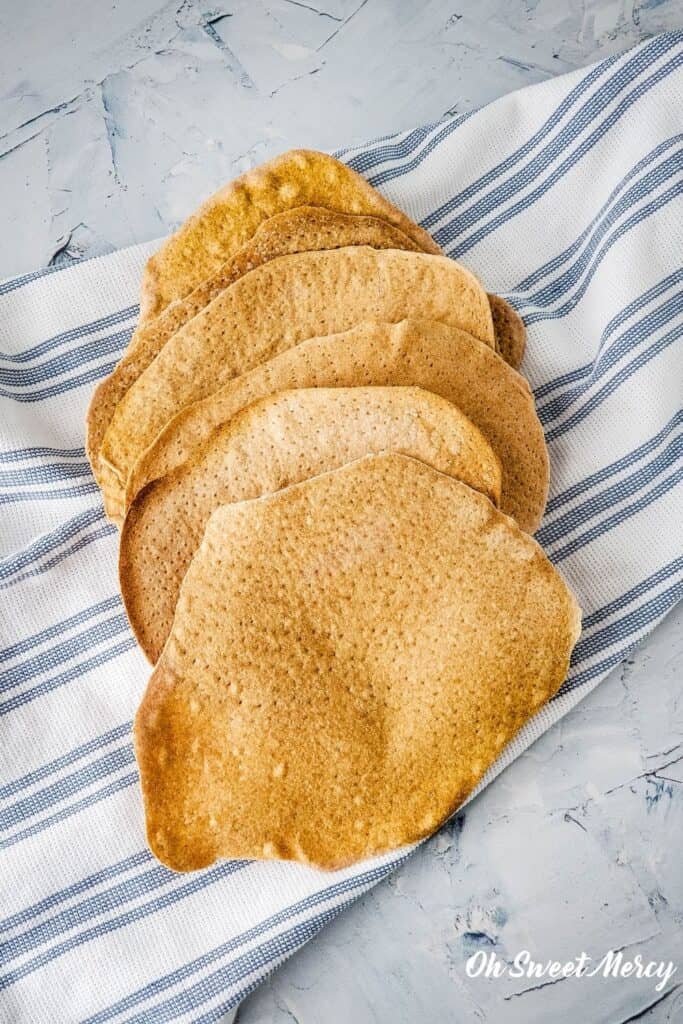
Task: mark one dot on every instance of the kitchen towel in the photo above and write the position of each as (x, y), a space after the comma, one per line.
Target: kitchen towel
(566, 199)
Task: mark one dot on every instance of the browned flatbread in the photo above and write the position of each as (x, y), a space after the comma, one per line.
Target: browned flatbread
(278, 305)
(420, 352)
(347, 659)
(299, 230)
(510, 331)
(280, 440)
(302, 229)
(231, 216)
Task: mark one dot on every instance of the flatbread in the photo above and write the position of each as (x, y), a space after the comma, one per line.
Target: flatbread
(302, 229)
(231, 216)
(299, 230)
(278, 441)
(347, 659)
(278, 305)
(509, 329)
(420, 352)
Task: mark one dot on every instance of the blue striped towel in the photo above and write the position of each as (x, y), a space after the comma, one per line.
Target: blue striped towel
(566, 199)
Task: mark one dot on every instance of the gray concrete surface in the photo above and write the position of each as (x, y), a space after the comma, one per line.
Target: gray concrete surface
(116, 118)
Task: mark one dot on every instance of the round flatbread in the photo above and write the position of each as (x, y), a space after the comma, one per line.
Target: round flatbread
(302, 229)
(278, 305)
(273, 443)
(414, 352)
(347, 659)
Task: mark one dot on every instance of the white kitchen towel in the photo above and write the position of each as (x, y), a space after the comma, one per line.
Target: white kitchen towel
(566, 199)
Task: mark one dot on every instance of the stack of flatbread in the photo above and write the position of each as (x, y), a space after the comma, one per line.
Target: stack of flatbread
(326, 469)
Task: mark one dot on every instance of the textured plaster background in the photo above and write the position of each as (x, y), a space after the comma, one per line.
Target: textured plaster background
(116, 119)
(118, 116)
